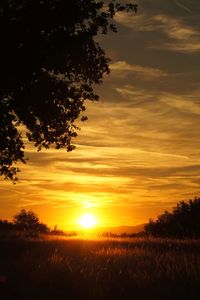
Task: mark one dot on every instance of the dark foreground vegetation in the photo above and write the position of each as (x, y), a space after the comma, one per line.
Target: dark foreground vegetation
(139, 268)
(163, 262)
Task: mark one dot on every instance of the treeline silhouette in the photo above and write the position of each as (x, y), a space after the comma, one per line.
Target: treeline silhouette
(182, 222)
(27, 223)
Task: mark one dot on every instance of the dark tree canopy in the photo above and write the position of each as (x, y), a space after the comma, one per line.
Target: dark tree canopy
(28, 221)
(50, 61)
(182, 222)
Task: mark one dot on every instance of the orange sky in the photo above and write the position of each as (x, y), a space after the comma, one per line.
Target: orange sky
(138, 154)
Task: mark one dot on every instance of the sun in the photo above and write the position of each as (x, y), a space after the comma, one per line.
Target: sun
(87, 221)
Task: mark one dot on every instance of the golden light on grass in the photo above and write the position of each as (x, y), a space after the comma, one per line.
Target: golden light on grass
(87, 221)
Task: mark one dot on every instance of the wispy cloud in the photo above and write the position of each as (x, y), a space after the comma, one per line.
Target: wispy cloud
(180, 36)
(122, 67)
(184, 104)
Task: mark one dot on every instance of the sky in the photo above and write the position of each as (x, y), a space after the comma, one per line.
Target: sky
(139, 152)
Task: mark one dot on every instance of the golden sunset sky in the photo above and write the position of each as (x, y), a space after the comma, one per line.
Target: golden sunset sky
(139, 152)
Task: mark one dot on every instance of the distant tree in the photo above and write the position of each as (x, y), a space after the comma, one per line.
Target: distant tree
(57, 231)
(60, 232)
(28, 221)
(183, 221)
(50, 59)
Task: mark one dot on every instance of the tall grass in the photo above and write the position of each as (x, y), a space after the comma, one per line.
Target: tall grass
(99, 269)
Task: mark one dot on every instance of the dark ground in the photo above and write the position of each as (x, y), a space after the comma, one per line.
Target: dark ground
(99, 269)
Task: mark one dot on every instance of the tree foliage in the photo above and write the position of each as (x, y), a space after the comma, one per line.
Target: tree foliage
(29, 222)
(50, 61)
(183, 221)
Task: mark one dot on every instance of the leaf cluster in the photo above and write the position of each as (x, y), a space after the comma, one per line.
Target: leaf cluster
(50, 61)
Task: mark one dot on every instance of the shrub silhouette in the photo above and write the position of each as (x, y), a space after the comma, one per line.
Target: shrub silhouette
(182, 222)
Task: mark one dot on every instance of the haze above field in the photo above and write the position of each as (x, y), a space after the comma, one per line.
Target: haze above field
(138, 154)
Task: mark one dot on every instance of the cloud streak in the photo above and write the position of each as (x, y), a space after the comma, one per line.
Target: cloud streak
(180, 36)
(122, 67)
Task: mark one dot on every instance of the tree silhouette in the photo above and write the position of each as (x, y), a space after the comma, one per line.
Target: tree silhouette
(50, 61)
(183, 221)
(29, 222)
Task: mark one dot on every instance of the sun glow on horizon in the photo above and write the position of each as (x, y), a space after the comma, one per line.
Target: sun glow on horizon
(87, 221)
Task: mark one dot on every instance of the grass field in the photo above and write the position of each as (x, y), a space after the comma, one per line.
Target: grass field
(99, 269)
